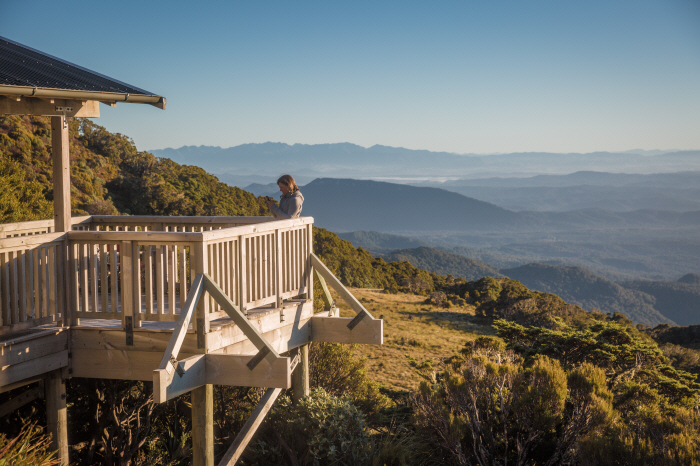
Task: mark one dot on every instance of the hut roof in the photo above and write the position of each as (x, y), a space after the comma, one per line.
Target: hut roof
(29, 72)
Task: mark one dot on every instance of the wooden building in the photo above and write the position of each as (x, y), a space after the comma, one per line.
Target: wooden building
(184, 302)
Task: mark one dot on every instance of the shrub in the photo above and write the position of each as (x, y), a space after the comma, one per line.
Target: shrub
(29, 448)
(318, 430)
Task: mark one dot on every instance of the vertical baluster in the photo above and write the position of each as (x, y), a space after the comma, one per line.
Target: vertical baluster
(137, 282)
(113, 272)
(250, 271)
(278, 269)
(208, 251)
(295, 252)
(104, 278)
(38, 262)
(74, 299)
(223, 283)
(84, 269)
(159, 280)
(256, 266)
(42, 290)
(225, 269)
(309, 269)
(51, 273)
(215, 268)
(148, 266)
(22, 279)
(235, 252)
(93, 277)
(262, 247)
(172, 277)
(61, 273)
(4, 291)
(14, 293)
(242, 273)
(21, 284)
(183, 275)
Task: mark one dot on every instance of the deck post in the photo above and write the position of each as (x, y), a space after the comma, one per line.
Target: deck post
(201, 315)
(56, 413)
(300, 376)
(60, 154)
(203, 426)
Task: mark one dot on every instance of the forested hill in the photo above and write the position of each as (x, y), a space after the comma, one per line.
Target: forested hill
(579, 286)
(108, 175)
(443, 263)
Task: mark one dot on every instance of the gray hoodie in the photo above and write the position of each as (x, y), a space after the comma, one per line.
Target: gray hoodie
(290, 206)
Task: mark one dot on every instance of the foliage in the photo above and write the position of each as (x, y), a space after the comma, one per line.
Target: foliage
(490, 408)
(340, 372)
(29, 448)
(108, 176)
(318, 430)
(115, 419)
(20, 200)
(621, 351)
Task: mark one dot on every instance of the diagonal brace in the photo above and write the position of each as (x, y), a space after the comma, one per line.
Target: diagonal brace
(183, 322)
(332, 280)
(250, 427)
(241, 320)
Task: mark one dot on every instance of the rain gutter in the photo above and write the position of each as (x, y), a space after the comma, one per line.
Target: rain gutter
(107, 97)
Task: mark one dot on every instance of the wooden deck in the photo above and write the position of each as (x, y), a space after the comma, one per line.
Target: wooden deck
(184, 302)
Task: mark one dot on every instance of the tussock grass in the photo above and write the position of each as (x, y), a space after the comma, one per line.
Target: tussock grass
(415, 329)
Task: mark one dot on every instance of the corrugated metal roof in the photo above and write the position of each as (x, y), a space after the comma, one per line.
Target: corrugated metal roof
(23, 66)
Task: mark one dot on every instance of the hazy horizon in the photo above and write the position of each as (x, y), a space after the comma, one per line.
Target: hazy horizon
(458, 77)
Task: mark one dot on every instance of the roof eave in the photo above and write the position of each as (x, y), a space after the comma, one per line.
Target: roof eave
(108, 97)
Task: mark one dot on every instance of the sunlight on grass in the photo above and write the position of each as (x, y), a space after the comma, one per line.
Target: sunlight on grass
(412, 328)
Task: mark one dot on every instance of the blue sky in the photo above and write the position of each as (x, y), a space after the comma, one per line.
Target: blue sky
(465, 77)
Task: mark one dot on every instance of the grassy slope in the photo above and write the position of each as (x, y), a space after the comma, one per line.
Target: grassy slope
(414, 329)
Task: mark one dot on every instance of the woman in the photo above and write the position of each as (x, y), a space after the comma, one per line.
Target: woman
(290, 200)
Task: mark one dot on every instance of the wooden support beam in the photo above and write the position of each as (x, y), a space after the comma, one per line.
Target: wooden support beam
(33, 367)
(300, 382)
(20, 400)
(226, 369)
(191, 374)
(335, 329)
(219, 369)
(203, 426)
(49, 107)
(21, 383)
(321, 268)
(250, 427)
(60, 153)
(56, 414)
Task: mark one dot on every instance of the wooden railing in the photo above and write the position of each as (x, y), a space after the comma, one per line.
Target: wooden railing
(32, 274)
(141, 268)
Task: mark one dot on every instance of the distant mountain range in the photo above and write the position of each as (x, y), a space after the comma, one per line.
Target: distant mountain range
(618, 192)
(348, 204)
(350, 160)
(643, 301)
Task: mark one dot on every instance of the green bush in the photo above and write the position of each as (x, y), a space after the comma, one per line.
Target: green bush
(318, 430)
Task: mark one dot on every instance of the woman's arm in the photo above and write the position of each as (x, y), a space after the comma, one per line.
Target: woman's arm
(291, 209)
